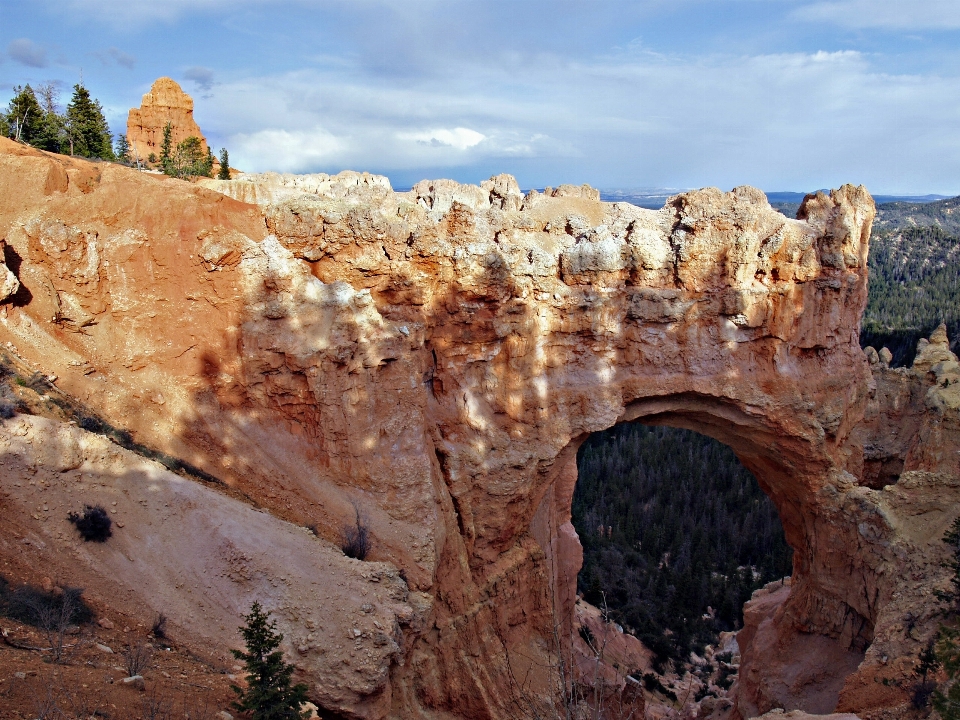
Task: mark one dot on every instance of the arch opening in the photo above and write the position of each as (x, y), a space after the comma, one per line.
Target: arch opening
(677, 534)
(791, 657)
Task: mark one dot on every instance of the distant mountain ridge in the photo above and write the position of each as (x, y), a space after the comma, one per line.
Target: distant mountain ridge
(654, 198)
(944, 213)
(914, 276)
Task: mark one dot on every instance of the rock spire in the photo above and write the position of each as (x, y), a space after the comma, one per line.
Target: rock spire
(165, 103)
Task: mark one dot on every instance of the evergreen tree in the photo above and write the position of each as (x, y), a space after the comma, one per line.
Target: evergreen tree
(24, 115)
(224, 173)
(166, 148)
(122, 149)
(269, 694)
(671, 525)
(51, 132)
(88, 130)
(189, 160)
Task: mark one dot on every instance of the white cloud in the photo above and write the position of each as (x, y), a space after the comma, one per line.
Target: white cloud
(459, 138)
(286, 151)
(889, 14)
(779, 121)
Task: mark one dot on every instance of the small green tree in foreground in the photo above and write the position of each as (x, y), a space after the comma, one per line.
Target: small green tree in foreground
(269, 694)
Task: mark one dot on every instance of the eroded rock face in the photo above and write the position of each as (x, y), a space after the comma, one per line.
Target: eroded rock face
(165, 103)
(435, 358)
(8, 281)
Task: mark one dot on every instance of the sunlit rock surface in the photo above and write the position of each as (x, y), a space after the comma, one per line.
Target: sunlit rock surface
(165, 103)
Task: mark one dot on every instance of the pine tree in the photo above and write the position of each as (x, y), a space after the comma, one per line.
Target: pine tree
(189, 160)
(224, 173)
(51, 134)
(166, 148)
(208, 163)
(269, 694)
(87, 127)
(122, 149)
(24, 115)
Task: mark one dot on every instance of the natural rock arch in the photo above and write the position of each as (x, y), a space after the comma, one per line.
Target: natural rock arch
(437, 355)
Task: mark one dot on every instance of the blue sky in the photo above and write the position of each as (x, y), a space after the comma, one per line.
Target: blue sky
(781, 94)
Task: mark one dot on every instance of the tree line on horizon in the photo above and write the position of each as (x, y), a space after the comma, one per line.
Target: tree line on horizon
(34, 117)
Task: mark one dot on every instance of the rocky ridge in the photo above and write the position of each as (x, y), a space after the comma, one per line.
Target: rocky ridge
(435, 358)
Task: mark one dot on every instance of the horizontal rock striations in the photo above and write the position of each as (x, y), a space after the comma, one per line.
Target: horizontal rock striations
(432, 360)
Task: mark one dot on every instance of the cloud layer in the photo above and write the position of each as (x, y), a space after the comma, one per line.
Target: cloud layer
(785, 94)
(889, 14)
(627, 119)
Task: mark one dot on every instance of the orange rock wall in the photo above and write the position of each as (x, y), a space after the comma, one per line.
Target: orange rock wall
(165, 103)
(434, 358)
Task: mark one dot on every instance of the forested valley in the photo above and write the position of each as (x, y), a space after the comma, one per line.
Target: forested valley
(914, 277)
(676, 533)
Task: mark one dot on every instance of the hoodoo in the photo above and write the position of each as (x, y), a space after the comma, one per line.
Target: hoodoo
(429, 361)
(165, 103)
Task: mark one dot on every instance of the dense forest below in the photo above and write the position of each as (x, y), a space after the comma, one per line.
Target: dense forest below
(914, 277)
(676, 533)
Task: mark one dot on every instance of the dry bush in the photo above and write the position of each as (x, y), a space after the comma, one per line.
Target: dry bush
(355, 540)
(159, 627)
(136, 658)
(52, 613)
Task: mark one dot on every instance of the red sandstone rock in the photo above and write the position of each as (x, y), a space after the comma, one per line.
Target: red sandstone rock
(165, 103)
(436, 357)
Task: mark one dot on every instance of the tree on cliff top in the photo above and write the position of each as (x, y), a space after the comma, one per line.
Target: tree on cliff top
(189, 160)
(89, 134)
(224, 173)
(269, 694)
(24, 115)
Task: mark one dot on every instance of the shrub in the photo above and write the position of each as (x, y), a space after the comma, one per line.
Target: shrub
(8, 408)
(51, 613)
(355, 538)
(94, 525)
(652, 683)
(136, 658)
(159, 627)
(29, 604)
